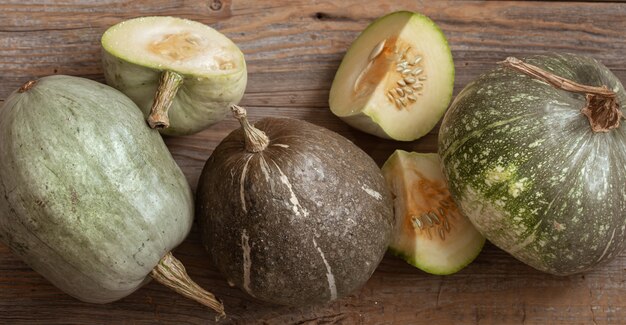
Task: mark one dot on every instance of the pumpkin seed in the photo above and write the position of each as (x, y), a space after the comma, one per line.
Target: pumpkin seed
(426, 218)
(377, 50)
(403, 101)
(434, 217)
(417, 222)
(446, 224)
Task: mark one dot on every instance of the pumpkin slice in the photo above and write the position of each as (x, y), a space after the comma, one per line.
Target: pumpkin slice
(396, 80)
(430, 232)
(181, 73)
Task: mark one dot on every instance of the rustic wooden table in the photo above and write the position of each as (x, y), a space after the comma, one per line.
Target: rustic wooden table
(293, 49)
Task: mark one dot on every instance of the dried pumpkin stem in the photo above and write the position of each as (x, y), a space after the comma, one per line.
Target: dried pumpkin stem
(171, 273)
(602, 109)
(256, 140)
(27, 86)
(169, 83)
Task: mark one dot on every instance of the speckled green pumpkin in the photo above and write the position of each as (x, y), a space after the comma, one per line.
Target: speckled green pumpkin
(524, 165)
(89, 195)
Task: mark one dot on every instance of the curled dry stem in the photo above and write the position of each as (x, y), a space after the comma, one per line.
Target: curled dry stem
(602, 109)
(171, 273)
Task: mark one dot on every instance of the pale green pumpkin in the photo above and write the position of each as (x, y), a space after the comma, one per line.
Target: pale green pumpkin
(90, 197)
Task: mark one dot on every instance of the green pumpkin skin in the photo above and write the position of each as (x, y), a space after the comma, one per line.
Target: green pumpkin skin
(201, 101)
(524, 165)
(89, 195)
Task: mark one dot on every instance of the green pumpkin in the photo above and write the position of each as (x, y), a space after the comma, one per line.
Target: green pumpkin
(89, 195)
(524, 164)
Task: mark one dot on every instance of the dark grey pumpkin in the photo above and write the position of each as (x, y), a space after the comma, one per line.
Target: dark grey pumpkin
(293, 213)
(89, 195)
(525, 166)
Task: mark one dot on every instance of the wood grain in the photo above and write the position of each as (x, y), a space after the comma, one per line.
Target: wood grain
(293, 49)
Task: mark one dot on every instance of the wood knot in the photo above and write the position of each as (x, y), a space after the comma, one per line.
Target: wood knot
(215, 5)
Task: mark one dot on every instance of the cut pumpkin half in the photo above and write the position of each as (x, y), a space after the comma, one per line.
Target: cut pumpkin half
(396, 80)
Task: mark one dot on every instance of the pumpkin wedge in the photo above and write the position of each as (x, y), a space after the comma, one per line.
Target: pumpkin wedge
(396, 80)
(430, 232)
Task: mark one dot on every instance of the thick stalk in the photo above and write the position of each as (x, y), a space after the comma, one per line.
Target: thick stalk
(602, 109)
(168, 86)
(171, 273)
(256, 140)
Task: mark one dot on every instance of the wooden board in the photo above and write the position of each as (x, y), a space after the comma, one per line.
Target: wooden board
(293, 49)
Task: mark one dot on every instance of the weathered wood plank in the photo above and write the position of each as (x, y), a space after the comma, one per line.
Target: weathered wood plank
(293, 49)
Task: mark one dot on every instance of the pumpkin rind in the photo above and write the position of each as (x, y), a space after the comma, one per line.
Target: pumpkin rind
(89, 195)
(304, 221)
(524, 165)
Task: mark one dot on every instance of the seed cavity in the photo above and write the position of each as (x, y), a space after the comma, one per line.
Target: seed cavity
(177, 46)
(408, 69)
(436, 221)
